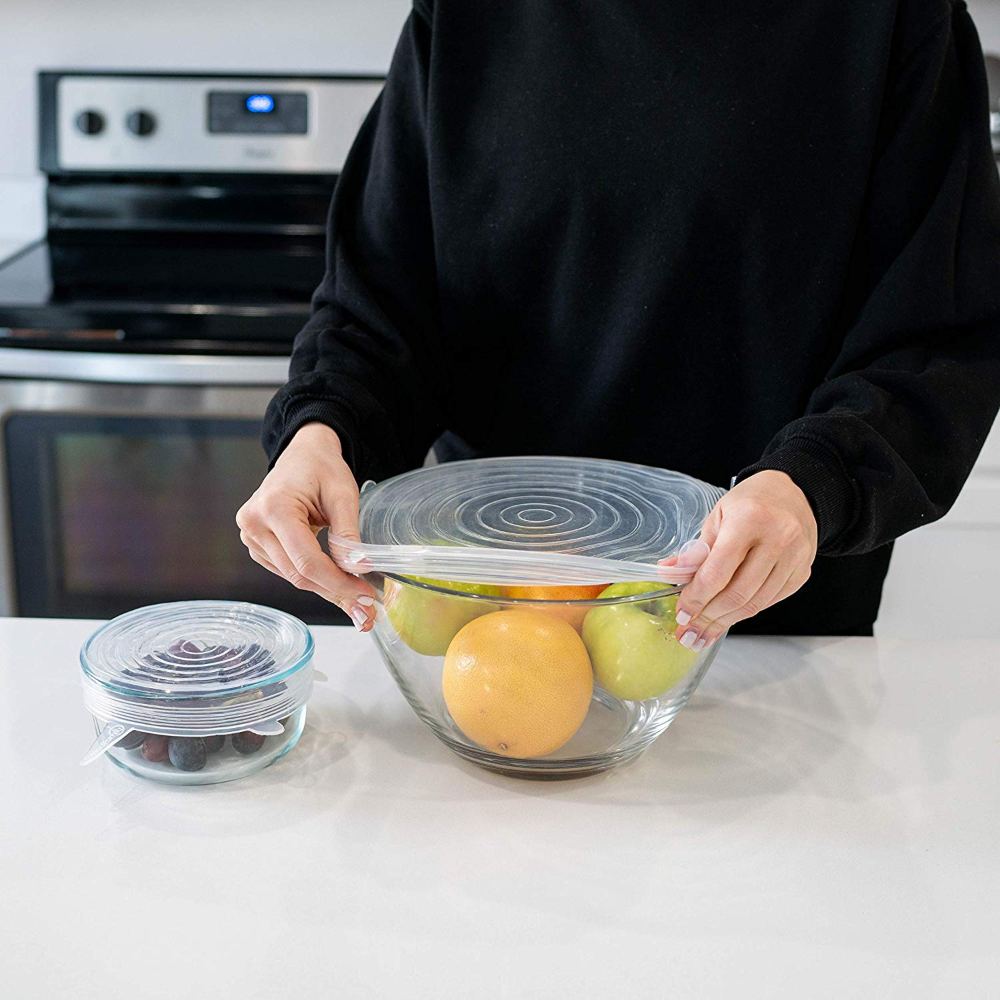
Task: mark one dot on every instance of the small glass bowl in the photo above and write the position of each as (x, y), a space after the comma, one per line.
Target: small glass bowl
(223, 757)
(197, 692)
(533, 687)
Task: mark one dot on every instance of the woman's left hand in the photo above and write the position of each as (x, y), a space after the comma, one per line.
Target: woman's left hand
(762, 536)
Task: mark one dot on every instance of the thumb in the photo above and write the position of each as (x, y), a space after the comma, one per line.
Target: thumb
(692, 554)
(710, 529)
(344, 540)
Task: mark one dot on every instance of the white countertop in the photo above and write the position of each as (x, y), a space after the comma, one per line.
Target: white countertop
(821, 821)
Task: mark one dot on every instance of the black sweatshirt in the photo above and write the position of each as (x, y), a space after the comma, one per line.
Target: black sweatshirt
(708, 235)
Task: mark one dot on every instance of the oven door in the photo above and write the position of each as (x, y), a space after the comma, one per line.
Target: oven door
(122, 475)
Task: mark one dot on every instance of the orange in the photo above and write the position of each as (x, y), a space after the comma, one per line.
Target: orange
(574, 616)
(518, 682)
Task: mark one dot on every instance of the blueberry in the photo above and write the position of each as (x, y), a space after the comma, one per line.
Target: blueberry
(132, 741)
(187, 754)
(154, 748)
(247, 743)
(213, 744)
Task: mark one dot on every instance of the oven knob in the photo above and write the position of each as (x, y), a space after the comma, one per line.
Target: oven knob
(90, 122)
(140, 122)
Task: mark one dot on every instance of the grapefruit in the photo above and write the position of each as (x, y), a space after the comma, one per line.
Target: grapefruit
(518, 682)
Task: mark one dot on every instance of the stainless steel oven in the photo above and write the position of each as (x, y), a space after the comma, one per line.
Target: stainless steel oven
(121, 477)
(142, 337)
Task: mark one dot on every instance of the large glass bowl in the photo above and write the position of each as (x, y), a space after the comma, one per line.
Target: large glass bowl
(538, 688)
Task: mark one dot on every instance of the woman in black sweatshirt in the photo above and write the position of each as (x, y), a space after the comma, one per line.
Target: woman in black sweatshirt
(755, 241)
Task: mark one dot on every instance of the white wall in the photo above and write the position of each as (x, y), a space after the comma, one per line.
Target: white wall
(254, 35)
(986, 14)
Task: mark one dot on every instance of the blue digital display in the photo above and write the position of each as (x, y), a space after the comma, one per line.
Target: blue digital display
(248, 112)
(260, 104)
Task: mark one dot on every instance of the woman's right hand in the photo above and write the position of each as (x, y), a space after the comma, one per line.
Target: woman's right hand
(310, 487)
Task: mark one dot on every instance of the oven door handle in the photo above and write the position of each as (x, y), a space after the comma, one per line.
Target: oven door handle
(143, 369)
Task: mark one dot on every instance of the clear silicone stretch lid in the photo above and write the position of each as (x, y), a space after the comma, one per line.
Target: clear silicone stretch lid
(530, 520)
(196, 668)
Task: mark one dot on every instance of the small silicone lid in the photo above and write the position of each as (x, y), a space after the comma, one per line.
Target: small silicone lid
(197, 668)
(195, 649)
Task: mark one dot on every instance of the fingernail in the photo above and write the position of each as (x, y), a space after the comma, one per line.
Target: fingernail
(689, 638)
(699, 645)
(359, 616)
(366, 602)
(683, 618)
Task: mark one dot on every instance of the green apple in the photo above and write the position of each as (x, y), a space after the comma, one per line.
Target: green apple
(632, 646)
(427, 621)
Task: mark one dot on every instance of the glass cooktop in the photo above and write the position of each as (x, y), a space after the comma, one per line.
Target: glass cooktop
(233, 292)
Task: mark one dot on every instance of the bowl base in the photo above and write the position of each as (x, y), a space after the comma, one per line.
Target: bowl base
(610, 723)
(524, 770)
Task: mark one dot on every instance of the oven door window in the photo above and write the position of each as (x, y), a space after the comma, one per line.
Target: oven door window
(111, 512)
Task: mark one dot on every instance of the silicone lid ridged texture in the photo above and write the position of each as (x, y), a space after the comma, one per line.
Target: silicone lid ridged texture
(195, 648)
(197, 667)
(575, 506)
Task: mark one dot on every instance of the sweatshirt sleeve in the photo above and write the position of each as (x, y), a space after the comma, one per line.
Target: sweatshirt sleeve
(367, 362)
(890, 436)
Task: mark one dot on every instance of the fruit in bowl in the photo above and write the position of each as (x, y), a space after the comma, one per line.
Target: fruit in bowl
(472, 665)
(520, 691)
(427, 620)
(569, 613)
(632, 645)
(518, 682)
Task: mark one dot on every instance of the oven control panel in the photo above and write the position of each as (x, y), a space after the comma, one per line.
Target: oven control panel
(101, 122)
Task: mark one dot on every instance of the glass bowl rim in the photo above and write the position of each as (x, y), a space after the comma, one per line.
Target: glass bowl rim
(668, 590)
